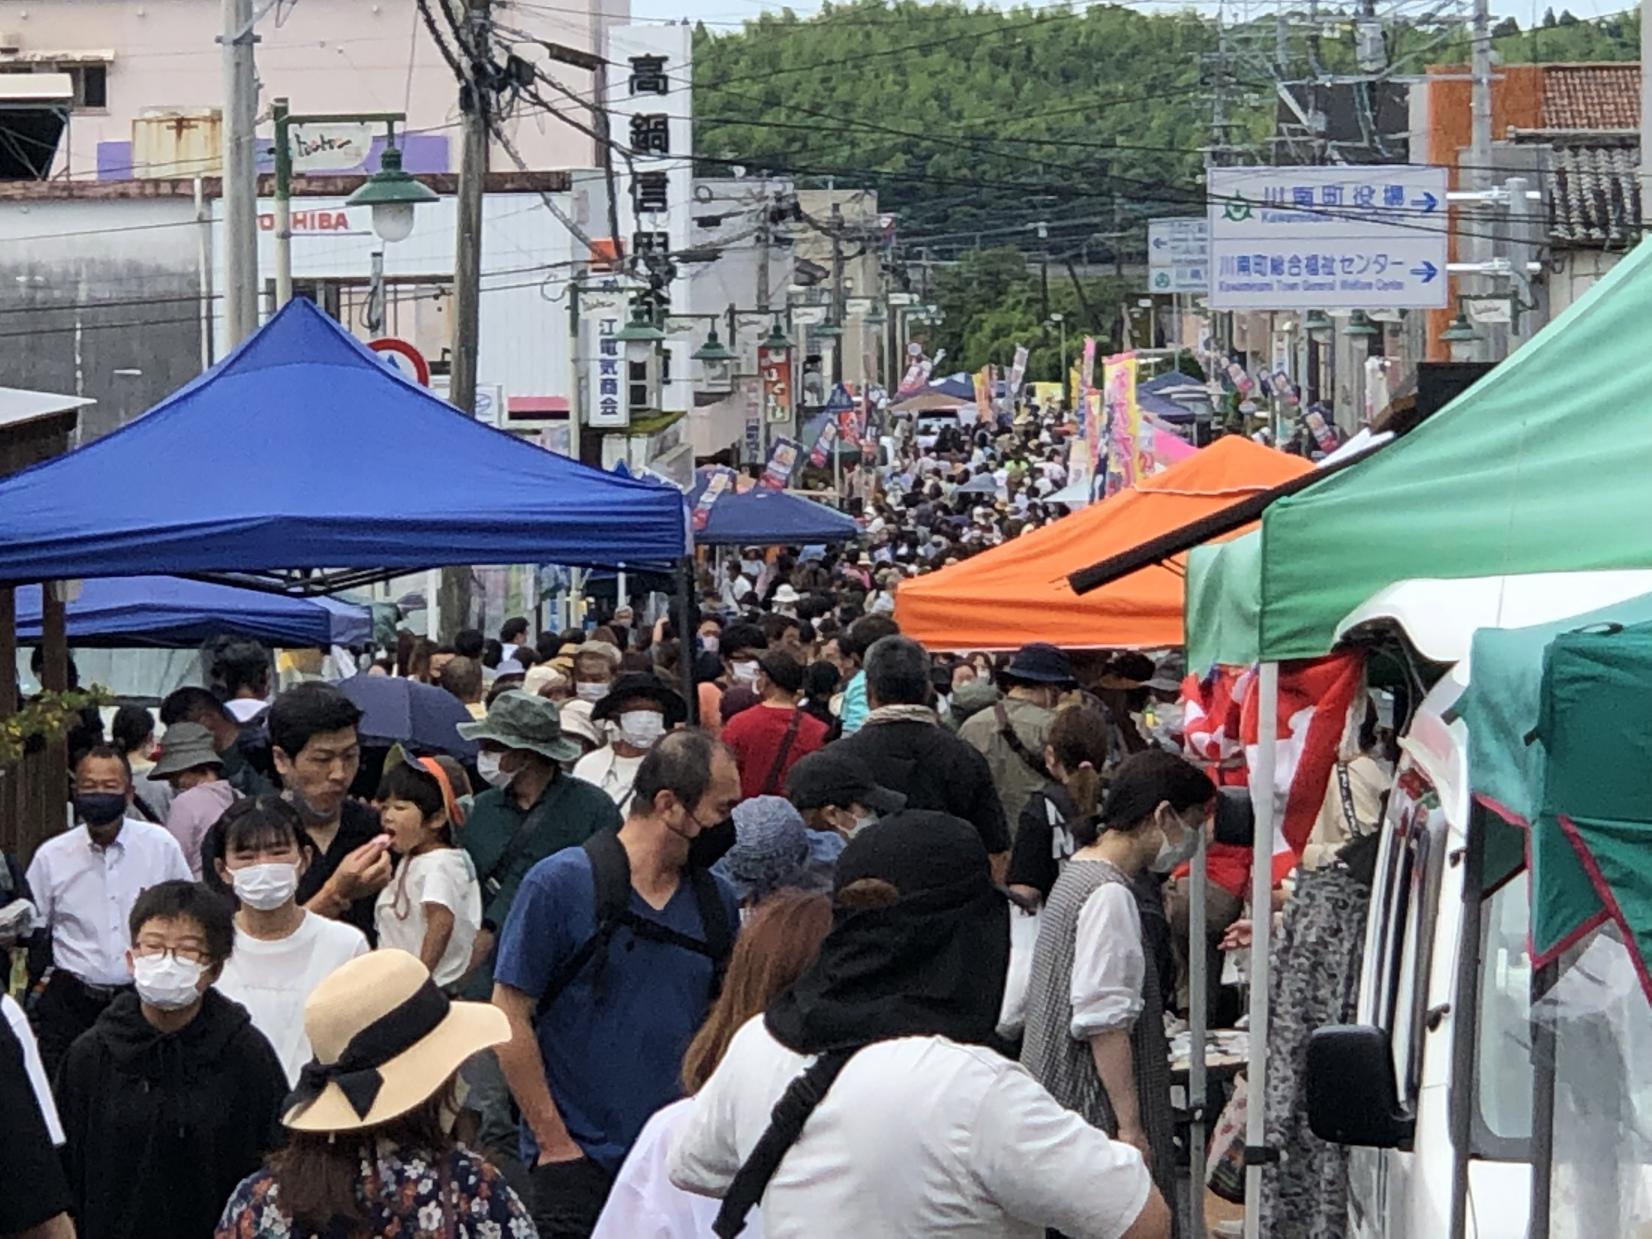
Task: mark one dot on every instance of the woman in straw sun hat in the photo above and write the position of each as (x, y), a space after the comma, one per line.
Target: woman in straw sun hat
(369, 1150)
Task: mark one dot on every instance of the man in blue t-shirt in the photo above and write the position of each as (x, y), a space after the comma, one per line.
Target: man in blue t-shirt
(607, 1050)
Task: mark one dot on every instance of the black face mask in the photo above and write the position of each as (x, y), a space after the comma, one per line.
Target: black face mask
(711, 844)
(100, 808)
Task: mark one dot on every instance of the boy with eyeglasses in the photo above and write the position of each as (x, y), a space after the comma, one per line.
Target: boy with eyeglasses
(172, 1097)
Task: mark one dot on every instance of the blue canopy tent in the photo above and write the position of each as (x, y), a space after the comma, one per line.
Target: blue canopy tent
(770, 518)
(301, 450)
(177, 613)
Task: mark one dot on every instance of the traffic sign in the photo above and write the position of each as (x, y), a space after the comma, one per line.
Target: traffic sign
(1178, 255)
(1344, 237)
(402, 357)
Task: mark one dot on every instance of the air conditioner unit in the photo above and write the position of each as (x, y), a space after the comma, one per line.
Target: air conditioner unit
(11, 43)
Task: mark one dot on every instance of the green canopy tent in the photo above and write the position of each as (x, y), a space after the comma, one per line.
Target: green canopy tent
(1560, 742)
(1223, 590)
(1540, 466)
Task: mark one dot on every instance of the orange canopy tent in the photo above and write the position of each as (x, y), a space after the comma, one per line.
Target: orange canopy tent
(1018, 592)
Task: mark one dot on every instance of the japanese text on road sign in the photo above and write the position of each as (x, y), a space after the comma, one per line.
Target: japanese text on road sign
(1328, 238)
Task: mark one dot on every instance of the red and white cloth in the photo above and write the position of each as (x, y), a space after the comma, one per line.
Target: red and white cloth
(1315, 699)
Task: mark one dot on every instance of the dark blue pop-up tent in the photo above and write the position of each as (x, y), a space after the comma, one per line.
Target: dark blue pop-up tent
(176, 613)
(770, 518)
(300, 450)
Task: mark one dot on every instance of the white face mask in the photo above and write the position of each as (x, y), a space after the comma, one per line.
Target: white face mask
(265, 887)
(640, 728)
(167, 982)
(589, 690)
(745, 672)
(709, 642)
(487, 765)
(1172, 854)
(862, 821)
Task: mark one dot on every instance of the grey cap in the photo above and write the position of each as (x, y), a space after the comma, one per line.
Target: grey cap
(518, 720)
(184, 747)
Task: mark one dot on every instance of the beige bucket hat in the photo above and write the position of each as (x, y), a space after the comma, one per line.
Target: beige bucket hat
(385, 1039)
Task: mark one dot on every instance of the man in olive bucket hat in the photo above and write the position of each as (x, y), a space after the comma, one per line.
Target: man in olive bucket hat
(531, 809)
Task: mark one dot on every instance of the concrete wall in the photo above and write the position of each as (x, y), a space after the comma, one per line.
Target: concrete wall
(132, 268)
(1573, 273)
(332, 56)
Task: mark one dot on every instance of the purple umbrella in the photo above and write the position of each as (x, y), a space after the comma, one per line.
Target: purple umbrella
(394, 710)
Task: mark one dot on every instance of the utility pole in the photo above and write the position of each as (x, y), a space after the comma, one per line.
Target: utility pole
(1646, 112)
(837, 290)
(474, 102)
(1479, 156)
(1043, 269)
(764, 208)
(240, 173)
(467, 263)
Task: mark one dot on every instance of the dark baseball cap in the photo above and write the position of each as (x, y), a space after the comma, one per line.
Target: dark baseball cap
(834, 777)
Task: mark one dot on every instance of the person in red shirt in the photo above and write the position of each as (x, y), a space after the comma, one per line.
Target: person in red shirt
(774, 735)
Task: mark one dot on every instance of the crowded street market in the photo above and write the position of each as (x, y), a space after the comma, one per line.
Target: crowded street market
(1104, 793)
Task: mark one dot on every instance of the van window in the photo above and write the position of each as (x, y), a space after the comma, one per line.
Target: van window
(1502, 1059)
(1409, 893)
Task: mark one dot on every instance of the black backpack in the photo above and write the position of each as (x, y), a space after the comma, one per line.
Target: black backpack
(611, 878)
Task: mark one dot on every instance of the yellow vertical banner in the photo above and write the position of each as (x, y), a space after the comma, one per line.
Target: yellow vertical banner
(1123, 416)
(983, 393)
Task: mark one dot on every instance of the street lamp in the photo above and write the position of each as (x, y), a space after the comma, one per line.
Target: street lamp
(1360, 326)
(639, 336)
(1060, 320)
(1317, 324)
(716, 364)
(776, 339)
(1461, 338)
(390, 191)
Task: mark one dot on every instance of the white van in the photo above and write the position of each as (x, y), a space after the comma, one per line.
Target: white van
(1433, 1084)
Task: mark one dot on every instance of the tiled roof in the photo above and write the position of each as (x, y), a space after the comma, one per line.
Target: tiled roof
(1597, 195)
(1592, 96)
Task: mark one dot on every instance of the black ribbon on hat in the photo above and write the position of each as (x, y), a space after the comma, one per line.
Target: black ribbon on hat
(357, 1070)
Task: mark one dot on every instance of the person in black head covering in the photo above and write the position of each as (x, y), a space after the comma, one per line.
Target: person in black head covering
(892, 1116)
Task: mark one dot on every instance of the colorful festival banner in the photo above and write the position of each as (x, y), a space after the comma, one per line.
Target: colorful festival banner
(1124, 424)
(1087, 365)
(983, 393)
(720, 482)
(774, 365)
(1017, 375)
(783, 455)
(825, 443)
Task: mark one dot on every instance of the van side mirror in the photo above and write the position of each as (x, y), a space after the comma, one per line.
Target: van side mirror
(1352, 1094)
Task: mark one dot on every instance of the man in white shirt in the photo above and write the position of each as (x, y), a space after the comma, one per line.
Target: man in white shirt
(918, 1131)
(282, 951)
(85, 882)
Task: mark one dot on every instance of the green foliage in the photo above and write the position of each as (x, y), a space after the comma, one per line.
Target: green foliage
(965, 117)
(993, 301)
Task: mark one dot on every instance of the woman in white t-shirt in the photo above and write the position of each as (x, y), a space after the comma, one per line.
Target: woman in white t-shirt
(282, 952)
(432, 907)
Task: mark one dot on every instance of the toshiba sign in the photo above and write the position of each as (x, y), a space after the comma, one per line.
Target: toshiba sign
(310, 221)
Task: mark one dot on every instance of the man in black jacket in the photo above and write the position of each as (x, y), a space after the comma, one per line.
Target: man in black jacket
(172, 1097)
(909, 751)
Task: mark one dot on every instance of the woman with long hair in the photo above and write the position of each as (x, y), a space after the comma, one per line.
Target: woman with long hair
(776, 944)
(1094, 1031)
(369, 1152)
(1075, 751)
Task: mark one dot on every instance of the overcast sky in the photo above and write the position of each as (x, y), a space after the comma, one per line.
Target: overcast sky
(730, 13)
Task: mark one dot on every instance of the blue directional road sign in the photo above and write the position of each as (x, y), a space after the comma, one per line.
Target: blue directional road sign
(1328, 238)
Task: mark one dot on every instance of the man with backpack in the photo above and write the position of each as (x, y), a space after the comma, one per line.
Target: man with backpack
(607, 966)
